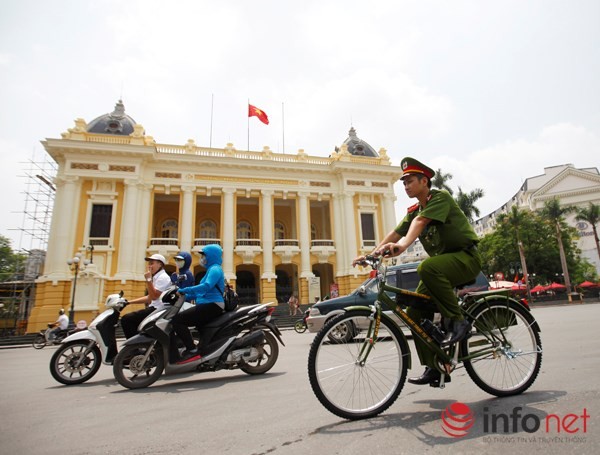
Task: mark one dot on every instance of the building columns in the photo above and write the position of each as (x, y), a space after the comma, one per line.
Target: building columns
(228, 232)
(304, 222)
(187, 217)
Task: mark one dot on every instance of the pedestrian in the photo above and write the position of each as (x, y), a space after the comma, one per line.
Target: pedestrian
(293, 304)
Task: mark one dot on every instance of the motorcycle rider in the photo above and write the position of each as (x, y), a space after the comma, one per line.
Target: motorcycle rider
(208, 296)
(61, 324)
(183, 277)
(157, 280)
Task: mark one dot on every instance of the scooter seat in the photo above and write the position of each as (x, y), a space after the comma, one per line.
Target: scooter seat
(228, 316)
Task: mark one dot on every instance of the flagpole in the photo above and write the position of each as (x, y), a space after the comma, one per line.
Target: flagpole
(248, 109)
(283, 126)
(212, 102)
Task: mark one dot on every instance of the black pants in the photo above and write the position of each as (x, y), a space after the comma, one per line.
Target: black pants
(130, 321)
(199, 314)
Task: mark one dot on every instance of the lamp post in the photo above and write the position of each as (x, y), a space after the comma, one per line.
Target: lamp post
(74, 266)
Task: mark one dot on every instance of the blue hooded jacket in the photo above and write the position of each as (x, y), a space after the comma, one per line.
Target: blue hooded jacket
(210, 289)
(185, 277)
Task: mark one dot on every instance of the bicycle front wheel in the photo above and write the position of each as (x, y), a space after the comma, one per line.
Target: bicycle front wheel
(504, 353)
(348, 383)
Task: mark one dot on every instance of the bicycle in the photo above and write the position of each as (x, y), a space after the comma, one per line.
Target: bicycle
(360, 377)
(300, 324)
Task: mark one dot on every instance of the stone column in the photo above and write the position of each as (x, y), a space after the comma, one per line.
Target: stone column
(304, 224)
(129, 228)
(145, 214)
(267, 234)
(228, 232)
(350, 228)
(62, 229)
(389, 213)
(340, 236)
(187, 218)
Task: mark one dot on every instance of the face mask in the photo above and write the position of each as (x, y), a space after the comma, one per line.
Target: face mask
(180, 264)
(203, 261)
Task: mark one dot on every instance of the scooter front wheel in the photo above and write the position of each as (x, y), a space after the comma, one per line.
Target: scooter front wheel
(134, 369)
(71, 364)
(39, 341)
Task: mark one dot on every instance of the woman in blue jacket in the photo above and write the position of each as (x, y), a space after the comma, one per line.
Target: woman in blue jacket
(208, 296)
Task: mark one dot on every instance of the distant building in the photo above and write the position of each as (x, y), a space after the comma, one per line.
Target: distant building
(282, 219)
(573, 187)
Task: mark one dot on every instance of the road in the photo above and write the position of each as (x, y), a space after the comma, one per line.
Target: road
(277, 413)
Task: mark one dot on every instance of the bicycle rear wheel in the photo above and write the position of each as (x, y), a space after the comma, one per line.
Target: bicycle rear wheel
(348, 385)
(508, 335)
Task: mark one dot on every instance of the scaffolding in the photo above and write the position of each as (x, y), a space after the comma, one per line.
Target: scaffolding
(17, 295)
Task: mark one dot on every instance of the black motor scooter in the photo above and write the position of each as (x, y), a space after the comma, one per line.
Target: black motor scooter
(245, 338)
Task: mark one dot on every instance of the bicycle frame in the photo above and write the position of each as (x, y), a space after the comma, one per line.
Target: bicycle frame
(448, 356)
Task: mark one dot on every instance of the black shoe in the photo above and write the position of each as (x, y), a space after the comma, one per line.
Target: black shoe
(460, 331)
(431, 376)
(189, 353)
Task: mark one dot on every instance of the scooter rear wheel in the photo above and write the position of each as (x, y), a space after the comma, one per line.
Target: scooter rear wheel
(130, 369)
(70, 364)
(268, 353)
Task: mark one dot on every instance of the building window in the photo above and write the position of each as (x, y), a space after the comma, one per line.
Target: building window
(168, 229)
(313, 232)
(367, 224)
(208, 230)
(279, 230)
(244, 230)
(100, 224)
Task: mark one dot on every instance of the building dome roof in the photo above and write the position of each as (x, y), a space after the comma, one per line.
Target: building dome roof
(117, 122)
(358, 147)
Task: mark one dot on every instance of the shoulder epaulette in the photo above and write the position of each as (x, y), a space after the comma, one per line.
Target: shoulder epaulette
(413, 208)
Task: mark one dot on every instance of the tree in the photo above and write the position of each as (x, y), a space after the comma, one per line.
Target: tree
(499, 249)
(515, 218)
(554, 214)
(466, 202)
(9, 260)
(440, 180)
(592, 216)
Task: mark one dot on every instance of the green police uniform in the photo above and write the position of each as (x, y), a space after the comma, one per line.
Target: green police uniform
(450, 242)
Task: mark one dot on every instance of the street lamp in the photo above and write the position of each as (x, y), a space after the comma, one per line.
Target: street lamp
(74, 266)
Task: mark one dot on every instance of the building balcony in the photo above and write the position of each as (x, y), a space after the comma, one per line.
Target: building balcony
(199, 243)
(248, 249)
(286, 249)
(322, 248)
(166, 246)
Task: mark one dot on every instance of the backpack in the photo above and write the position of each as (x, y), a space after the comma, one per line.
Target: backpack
(230, 298)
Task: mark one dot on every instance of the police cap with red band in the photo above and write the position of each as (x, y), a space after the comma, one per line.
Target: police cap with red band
(410, 166)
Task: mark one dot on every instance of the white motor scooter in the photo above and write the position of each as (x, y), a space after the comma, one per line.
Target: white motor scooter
(80, 354)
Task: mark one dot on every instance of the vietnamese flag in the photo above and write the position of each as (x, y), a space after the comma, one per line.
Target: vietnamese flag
(253, 111)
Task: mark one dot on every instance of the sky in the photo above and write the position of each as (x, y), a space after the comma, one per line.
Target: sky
(491, 92)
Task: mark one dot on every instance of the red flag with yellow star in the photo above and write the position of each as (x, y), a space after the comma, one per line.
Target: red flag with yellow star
(253, 111)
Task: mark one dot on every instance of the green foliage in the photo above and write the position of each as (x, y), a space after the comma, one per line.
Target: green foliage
(440, 180)
(499, 249)
(466, 201)
(10, 262)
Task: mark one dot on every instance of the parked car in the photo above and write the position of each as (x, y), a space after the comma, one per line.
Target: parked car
(402, 276)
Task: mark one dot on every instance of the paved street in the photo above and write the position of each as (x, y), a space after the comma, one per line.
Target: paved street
(277, 413)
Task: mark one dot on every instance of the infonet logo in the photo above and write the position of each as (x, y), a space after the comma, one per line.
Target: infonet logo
(458, 419)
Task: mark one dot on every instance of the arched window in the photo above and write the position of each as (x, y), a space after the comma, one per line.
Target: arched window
(279, 230)
(244, 230)
(168, 229)
(208, 230)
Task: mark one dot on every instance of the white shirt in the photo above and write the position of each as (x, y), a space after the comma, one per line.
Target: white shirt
(161, 281)
(63, 322)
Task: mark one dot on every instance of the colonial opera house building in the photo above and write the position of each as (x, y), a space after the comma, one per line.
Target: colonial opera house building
(287, 223)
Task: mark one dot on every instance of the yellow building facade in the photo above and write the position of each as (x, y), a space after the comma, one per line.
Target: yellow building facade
(287, 223)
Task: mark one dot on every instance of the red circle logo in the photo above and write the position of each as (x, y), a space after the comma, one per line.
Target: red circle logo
(457, 420)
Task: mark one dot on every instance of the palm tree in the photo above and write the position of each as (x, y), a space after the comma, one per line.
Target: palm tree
(440, 180)
(592, 216)
(515, 218)
(466, 202)
(554, 214)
